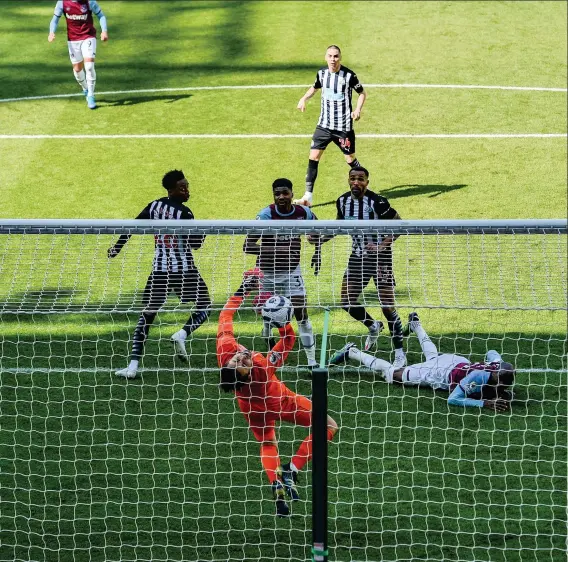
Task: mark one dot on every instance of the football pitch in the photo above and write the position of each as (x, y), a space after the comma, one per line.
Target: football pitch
(466, 119)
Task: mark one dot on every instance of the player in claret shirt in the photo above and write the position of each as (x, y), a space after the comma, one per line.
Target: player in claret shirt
(81, 40)
(481, 385)
(279, 261)
(264, 399)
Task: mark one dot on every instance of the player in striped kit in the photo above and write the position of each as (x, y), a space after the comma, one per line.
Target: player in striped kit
(81, 40)
(481, 385)
(371, 258)
(279, 261)
(337, 115)
(173, 270)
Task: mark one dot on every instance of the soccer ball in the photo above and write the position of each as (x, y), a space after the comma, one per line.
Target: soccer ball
(277, 311)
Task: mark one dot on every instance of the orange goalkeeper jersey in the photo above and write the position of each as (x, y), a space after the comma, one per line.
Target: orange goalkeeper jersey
(264, 384)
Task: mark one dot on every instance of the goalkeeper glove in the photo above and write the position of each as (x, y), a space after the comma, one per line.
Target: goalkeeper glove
(249, 284)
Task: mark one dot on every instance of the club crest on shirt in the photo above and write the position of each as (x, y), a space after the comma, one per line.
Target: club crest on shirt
(84, 8)
(471, 388)
(274, 357)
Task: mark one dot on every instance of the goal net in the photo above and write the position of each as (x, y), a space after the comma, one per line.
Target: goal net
(165, 467)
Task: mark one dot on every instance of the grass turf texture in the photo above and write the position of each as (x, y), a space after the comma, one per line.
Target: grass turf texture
(162, 468)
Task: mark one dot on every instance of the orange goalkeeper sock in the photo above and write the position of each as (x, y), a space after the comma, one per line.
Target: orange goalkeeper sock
(304, 452)
(270, 460)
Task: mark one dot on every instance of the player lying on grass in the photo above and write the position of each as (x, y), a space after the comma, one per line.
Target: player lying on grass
(482, 385)
(264, 399)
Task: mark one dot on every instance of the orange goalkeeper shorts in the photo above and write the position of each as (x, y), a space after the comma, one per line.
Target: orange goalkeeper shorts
(262, 416)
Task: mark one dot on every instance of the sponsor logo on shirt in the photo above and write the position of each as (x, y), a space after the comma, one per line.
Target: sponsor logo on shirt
(77, 17)
(330, 95)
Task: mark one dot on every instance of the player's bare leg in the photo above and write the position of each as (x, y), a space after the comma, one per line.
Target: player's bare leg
(311, 175)
(305, 329)
(79, 72)
(386, 297)
(351, 159)
(351, 289)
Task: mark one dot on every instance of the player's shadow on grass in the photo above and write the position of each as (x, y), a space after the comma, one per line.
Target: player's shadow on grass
(135, 100)
(411, 189)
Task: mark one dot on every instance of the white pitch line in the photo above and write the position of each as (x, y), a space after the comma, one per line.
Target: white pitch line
(282, 86)
(276, 136)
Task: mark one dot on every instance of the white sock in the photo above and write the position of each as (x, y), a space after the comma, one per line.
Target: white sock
(133, 365)
(308, 341)
(374, 363)
(183, 333)
(91, 77)
(428, 348)
(80, 77)
(399, 353)
(293, 467)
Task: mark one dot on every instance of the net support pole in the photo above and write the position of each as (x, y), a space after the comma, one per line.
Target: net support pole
(319, 451)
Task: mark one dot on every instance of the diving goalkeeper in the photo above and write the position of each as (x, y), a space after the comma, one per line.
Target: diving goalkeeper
(264, 399)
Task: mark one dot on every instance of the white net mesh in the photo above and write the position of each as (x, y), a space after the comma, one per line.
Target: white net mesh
(164, 467)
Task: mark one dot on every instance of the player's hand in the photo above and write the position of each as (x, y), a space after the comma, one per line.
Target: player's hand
(316, 261)
(112, 252)
(104, 35)
(372, 248)
(302, 105)
(51, 37)
(499, 405)
(356, 115)
(251, 281)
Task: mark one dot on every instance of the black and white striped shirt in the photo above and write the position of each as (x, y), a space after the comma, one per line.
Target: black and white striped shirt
(371, 206)
(172, 251)
(336, 90)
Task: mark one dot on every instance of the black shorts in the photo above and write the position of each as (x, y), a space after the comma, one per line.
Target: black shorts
(345, 140)
(189, 286)
(378, 267)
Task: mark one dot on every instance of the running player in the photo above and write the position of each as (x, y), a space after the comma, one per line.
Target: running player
(482, 385)
(337, 115)
(173, 270)
(264, 399)
(81, 40)
(279, 261)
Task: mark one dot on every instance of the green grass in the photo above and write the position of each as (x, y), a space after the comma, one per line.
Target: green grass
(163, 467)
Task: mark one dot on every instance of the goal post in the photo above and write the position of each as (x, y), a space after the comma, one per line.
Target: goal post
(165, 467)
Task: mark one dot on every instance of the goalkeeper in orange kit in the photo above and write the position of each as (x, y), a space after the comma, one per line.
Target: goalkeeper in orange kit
(263, 398)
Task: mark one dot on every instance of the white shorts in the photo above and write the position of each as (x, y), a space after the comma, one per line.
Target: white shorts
(285, 284)
(79, 50)
(434, 373)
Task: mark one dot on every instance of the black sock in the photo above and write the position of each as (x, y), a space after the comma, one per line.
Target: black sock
(395, 328)
(141, 334)
(354, 163)
(311, 175)
(359, 313)
(195, 320)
